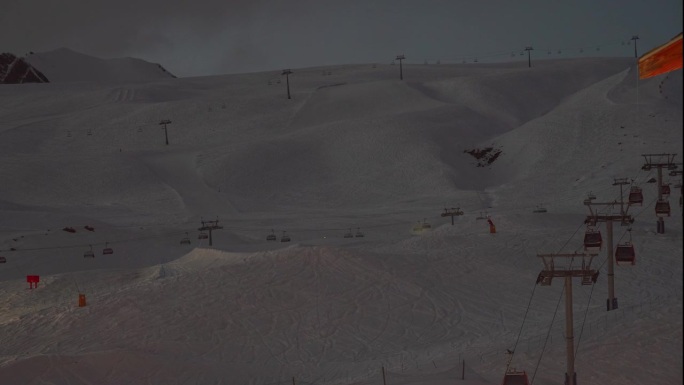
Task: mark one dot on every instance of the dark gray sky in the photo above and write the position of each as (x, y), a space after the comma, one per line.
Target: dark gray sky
(207, 37)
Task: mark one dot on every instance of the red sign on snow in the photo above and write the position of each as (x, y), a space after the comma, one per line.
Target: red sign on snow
(31, 279)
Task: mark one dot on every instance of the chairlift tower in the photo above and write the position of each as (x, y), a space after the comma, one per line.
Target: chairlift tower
(654, 160)
(621, 182)
(624, 219)
(589, 276)
(635, 38)
(166, 133)
(676, 173)
(209, 226)
(287, 73)
(401, 73)
(529, 59)
(452, 212)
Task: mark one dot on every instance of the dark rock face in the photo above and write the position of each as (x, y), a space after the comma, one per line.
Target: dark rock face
(15, 70)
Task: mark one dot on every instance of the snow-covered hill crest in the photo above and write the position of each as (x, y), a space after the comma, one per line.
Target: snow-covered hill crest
(65, 65)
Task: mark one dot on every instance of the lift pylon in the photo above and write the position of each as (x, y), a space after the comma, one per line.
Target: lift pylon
(589, 276)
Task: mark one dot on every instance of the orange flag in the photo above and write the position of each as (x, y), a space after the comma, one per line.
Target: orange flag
(665, 58)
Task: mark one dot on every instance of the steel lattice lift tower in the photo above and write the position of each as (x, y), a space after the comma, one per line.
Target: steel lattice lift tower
(625, 220)
(589, 276)
(209, 226)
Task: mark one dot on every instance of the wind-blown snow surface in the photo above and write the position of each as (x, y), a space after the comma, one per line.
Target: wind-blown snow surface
(354, 149)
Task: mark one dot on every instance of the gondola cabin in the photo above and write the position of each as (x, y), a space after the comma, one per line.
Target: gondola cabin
(625, 253)
(515, 377)
(636, 196)
(592, 241)
(662, 208)
(665, 189)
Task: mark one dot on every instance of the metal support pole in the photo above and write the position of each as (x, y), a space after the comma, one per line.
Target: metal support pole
(401, 72)
(660, 226)
(287, 81)
(384, 382)
(612, 301)
(569, 337)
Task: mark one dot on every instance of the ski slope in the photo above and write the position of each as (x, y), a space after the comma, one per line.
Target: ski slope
(357, 149)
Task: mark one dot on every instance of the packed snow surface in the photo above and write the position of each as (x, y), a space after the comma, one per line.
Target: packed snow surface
(355, 150)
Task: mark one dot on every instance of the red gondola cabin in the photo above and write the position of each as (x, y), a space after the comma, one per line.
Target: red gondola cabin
(662, 208)
(636, 196)
(592, 241)
(625, 253)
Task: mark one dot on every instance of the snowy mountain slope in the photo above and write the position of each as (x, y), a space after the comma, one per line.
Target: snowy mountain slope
(65, 65)
(371, 153)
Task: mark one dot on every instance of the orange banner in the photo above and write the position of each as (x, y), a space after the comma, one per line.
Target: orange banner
(666, 58)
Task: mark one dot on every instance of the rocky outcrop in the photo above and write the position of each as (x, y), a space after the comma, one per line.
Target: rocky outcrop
(15, 70)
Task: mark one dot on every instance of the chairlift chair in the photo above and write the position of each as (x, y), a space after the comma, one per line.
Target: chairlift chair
(358, 234)
(185, 240)
(272, 236)
(515, 377)
(89, 253)
(592, 241)
(426, 225)
(107, 249)
(539, 209)
(349, 234)
(636, 196)
(418, 227)
(202, 235)
(3, 260)
(662, 208)
(285, 238)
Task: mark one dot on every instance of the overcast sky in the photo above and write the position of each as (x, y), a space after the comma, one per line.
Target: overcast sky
(207, 37)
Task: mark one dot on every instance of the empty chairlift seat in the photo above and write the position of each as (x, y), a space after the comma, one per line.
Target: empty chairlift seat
(285, 238)
(185, 240)
(202, 236)
(358, 234)
(662, 208)
(349, 234)
(592, 241)
(3, 260)
(272, 236)
(89, 253)
(107, 249)
(625, 253)
(636, 196)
